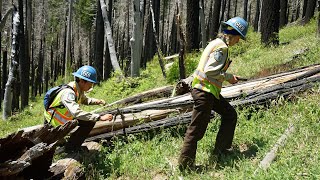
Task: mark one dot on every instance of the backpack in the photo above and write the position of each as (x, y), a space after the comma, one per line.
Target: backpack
(52, 93)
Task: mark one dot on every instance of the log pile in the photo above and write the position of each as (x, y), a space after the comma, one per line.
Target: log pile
(28, 153)
(252, 92)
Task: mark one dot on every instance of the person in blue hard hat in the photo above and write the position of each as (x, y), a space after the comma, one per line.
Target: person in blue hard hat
(66, 107)
(206, 88)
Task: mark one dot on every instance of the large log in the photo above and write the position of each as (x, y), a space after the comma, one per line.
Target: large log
(157, 92)
(257, 98)
(29, 154)
(70, 167)
(183, 103)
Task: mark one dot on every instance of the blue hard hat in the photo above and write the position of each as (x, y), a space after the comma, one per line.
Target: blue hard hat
(237, 23)
(87, 73)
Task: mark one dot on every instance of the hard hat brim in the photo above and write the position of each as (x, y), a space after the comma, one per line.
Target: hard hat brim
(224, 25)
(84, 78)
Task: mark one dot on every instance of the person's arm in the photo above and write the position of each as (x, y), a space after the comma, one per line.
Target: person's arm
(216, 63)
(91, 101)
(68, 99)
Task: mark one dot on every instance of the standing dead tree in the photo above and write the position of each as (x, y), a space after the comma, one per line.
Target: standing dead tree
(108, 31)
(157, 42)
(7, 103)
(136, 40)
(182, 70)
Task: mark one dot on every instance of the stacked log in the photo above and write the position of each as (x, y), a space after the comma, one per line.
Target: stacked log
(254, 92)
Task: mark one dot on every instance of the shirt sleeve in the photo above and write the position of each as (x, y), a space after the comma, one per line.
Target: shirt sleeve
(215, 64)
(88, 100)
(68, 99)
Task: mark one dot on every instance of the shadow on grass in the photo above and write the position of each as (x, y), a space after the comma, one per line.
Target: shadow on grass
(240, 152)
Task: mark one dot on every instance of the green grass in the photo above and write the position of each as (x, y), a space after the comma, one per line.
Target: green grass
(154, 155)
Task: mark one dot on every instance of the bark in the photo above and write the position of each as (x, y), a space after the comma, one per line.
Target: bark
(28, 155)
(182, 70)
(203, 25)
(192, 25)
(310, 11)
(215, 19)
(24, 68)
(304, 8)
(256, 18)
(270, 22)
(7, 102)
(283, 13)
(136, 40)
(68, 69)
(157, 43)
(99, 42)
(108, 31)
(4, 73)
(318, 29)
(245, 9)
(4, 18)
(173, 43)
(235, 8)
(223, 9)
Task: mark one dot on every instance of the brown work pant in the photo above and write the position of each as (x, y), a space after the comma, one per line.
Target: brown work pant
(204, 102)
(78, 137)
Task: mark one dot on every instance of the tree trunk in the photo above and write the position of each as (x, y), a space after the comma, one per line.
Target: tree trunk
(67, 58)
(4, 73)
(203, 25)
(310, 10)
(283, 13)
(304, 8)
(270, 22)
(235, 8)
(245, 9)
(24, 68)
(182, 71)
(256, 18)
(0, 56)
(108, 31)
(99, 42)
(7, 102)
(214, 28)
(223, 9)
(228, 9)
(173, 43)
(136, 40)
(192, 25)
(156, 39)
(318, 30)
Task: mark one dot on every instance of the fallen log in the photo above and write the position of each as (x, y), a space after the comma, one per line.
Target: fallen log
(29, 155)
(258, 98)
(158, 92)
(71, 167)
(183, 103)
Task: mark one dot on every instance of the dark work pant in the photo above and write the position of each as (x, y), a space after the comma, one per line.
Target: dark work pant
(78, 137)
(204, 102)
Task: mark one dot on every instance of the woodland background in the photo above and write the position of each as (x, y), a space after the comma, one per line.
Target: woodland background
(55, 37)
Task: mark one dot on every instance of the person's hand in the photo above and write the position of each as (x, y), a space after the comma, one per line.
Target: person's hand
(101, 101)
(106, 117)
(233, 80)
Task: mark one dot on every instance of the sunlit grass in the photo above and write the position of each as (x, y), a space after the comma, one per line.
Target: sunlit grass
(145, 156)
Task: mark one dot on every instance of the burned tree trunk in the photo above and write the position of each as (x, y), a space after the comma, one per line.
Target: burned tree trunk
(7, 103)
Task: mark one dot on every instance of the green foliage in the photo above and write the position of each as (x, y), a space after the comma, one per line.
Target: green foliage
(191, 62)
(85, 12)
(154, 155)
